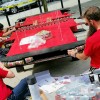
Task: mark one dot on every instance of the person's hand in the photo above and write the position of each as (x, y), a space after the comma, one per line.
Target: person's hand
(1, 65)
(10, 74)
(10, 27)
(80, 48)
(2, 39)
(72, 52)
(13, 29)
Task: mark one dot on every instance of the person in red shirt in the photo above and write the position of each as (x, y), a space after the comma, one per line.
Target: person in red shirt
(92, 45)
(6, 31)
(20, 92)
(4, 34)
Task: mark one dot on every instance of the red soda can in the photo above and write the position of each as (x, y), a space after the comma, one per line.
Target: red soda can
(11, 64)
(29, 59)
(20, 62)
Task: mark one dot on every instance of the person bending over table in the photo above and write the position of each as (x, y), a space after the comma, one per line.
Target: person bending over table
(4, 34)
(92, 45)
(6, 31)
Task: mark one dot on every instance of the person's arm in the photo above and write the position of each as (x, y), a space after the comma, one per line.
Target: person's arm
(6, 29)
(10, 74)
(2, 39)
(80, 56)
(8, 32)
(87, 52)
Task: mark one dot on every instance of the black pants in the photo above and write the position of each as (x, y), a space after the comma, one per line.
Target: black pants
(3, 52)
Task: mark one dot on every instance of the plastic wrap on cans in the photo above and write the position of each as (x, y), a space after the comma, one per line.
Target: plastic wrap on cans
(63, 97)
(98, 93)
(57, 97)
(44, 34)
(96, 71)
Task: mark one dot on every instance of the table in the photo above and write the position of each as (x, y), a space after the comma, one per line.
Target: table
(62, 29)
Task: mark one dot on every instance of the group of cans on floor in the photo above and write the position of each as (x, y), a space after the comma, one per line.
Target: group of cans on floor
(83, 87)
(19, 62)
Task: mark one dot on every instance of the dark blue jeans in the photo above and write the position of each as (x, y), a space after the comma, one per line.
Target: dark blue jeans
(20, 91)
(3, 52)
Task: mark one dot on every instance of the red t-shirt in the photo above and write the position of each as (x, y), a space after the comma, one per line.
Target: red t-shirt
(1, 33)
(4, 91)
(92, 49)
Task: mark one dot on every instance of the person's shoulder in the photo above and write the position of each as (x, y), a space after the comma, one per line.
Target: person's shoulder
(96, 35)
(1, 31)
(98, 31)
(94, 38)
(90, 39)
